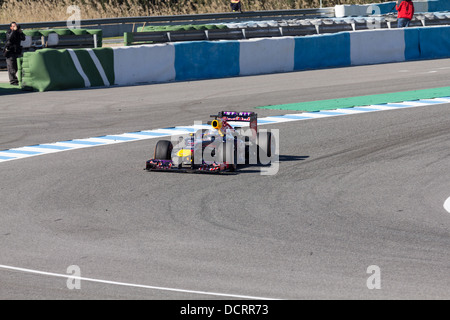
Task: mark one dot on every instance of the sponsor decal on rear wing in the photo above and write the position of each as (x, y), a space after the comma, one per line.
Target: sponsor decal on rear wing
(243, 116)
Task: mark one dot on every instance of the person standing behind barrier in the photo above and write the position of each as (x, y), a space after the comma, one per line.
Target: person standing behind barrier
(236, 5)
(13, 50)
(405, 10)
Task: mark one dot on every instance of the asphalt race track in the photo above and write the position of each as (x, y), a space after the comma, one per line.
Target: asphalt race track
(351, 192)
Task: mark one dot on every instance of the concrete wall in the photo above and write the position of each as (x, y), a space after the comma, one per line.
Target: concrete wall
(61, 69)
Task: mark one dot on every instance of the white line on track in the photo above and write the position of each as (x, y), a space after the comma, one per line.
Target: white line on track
(124, 284)
(447, 205)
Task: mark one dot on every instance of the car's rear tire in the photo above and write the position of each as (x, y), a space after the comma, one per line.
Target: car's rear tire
(265, 146)
(163, 150)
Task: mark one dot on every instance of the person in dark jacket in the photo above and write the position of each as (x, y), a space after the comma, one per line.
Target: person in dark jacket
(13, 50)
(405, 10)
(236, 6)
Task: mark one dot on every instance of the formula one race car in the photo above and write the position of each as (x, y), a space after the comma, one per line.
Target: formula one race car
(218, 149)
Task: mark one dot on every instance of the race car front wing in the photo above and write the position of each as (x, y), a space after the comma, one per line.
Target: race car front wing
(169, 166)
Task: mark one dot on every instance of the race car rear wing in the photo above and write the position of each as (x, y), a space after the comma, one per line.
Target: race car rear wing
(236, 116)
(243, 116)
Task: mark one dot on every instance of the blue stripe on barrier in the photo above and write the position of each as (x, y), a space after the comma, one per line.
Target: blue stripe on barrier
(434, 42)
(206, 60)
(265, 121)
(430, 101)
(87, 143)
(423, 43)
(50, 146)
(178, 129)
(185, 129)
(395, 105)
(149, 133)
(293, 116)
(116, 138)
(31, 153)
(412, 46)
(6, 158)
(325, 51)
(364, 109)
(331, 113)
(282, 117)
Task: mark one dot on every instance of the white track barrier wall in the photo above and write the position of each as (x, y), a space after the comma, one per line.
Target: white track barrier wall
(155, 63)
(218, 59)
(377, 46)
(144, 64)
(259, 56)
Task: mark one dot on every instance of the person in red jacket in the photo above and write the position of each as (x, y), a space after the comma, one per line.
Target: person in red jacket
(405, 10)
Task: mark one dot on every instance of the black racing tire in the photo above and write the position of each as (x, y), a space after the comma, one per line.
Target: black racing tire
(163, 150)
(264, 146)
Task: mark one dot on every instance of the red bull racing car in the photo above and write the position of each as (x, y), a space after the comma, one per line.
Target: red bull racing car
(230, 140)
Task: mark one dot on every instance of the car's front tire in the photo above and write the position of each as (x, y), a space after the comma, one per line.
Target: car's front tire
(163, 150)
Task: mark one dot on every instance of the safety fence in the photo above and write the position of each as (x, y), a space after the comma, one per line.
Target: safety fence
(259, 29)
(344, 18)
(114, 27)
(49, 69)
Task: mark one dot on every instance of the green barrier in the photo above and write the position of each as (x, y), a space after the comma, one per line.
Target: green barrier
(63, 32)
(181, 27)
(99, 34)
(19, 67)
(66, 32)
(23, 70)
(45, 33)
(177, 28)
(128, 38)
(31, 33)
(79, 32)
(2, 35)
(200, 27)
(51, 69)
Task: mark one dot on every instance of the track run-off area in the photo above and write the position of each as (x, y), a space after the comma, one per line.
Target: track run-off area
(352, 192)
